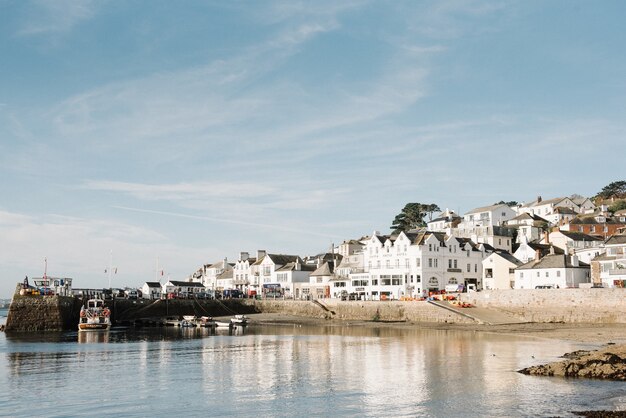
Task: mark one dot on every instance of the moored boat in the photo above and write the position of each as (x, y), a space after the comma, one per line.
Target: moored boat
(239, 320)
(95, 316)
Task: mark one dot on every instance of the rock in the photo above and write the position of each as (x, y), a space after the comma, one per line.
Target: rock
(601, 364)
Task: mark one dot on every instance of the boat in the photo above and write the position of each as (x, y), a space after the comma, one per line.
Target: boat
(95, 316)
(239, 320)
(223, 324)
(206, 322)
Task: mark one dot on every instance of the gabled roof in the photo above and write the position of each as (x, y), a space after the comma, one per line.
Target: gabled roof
(616, 239)
(292, 267)
(528, 216)
(554, 261)
(487, 208)
(325, 269)
(186, 284)
(544, 202)
(545, 248)
(153, 284)
(226, 274)
(508, 257)
(282, 259)
(563, 210)
(579, 236)
(591, 220)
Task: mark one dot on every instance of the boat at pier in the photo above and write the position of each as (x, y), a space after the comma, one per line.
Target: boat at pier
(239, 320)
(95, 316)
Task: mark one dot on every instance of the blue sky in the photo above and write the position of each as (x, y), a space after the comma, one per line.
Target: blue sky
(192, 131)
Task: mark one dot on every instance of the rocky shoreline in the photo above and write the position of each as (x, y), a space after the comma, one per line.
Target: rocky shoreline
(606, 363)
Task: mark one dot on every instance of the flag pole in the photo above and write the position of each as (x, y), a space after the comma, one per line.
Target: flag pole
(110, 266)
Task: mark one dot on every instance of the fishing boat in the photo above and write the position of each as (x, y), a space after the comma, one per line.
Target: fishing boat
(95, 316)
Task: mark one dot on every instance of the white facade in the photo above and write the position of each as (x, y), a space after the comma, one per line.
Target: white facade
(151, 290)
(410, 265)
(572, 241)
(499, 271)
(556, 271)
(612, 264)
(495, 215)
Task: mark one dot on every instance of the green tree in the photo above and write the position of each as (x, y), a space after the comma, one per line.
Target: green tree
(619, 205)
(615, 189)
(412, 216)
(509, 203)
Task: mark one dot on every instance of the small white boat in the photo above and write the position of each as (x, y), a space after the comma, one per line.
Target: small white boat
(206, 322)
(94, 317)
(222, 324)
(239, 320)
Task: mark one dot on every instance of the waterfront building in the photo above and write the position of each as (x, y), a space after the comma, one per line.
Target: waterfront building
(246, 273)
(181, 289)
(320, 282)
(546, 208)
(211, 272)
(601, 224)
(552, 271)
(151, 290)
(499, 270)
(409, 265)
(487, 225)
(446, 220)
(279, 272)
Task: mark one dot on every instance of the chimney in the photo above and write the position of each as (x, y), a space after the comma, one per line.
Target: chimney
(537, 254)
(243, 256)
(551, 250)
(297, 264)
(575, 261)
(539, 199)
(546, 237)
(225, 262)
(319, 262)
(260, 254)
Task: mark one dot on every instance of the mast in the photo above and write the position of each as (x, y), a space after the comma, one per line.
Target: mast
(110, 266)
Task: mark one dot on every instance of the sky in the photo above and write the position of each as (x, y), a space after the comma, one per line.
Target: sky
(139, 134)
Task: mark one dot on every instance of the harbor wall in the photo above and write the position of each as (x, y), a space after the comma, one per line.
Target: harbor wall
(362, 310)
(556, 305)
(42, 313)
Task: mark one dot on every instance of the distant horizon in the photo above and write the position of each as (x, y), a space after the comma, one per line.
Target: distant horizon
(190, 132)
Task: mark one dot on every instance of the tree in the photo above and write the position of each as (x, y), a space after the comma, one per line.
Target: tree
(412, 216)
(616, 189)
(509, 203)
(617, 206)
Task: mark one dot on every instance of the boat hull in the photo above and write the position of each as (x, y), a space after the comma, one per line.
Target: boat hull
(94, 327)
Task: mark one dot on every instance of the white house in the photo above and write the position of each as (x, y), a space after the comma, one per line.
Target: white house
(411, 264)
(151, 290)
(499, 270)
(179, 288)
(554, 270)
(528, 226)
(494, 215)
(278, 273)
(246, 273)
(609, 268)
(444, 222)
(528, 251)
(212, 271)
(320, 283)
(544, 208)
(571, 241)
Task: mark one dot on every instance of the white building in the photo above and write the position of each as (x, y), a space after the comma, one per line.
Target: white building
(211, 273)
(572, 241)
(555, 271)
(528, 251)
(411, 264)
(609, 268)
(246, 273)
(151, 290)
(279, 272)
(181, 289)
(494, 215)
(528, 226)
(499, 270)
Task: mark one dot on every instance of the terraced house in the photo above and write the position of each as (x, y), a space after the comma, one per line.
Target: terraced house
(411, 264)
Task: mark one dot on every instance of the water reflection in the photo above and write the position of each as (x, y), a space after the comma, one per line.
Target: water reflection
(291, 370)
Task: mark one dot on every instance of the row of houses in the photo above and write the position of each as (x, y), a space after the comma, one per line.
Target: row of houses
(562, 243)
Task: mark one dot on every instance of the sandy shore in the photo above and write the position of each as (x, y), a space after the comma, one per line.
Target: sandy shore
(583, 333)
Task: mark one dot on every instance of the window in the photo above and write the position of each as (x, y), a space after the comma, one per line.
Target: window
(397, 263)
(469, 268)
(521, 275)
(436, 262)
(430, 262)
(453, 280)
(430, 247)
(475, 268)
(593, 228)
(374, 282)
(455, 265)
(433, 281)
(537, 274)
(558, 273)
(407, 264)
(449, 264)
(388, 263)
(547, 274)
(418, 262)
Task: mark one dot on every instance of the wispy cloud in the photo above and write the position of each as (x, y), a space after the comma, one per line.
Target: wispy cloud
(57, 16)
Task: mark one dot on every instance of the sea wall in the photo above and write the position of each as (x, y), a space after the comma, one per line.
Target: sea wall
(556, 305)
(362, 310)
(42, 313)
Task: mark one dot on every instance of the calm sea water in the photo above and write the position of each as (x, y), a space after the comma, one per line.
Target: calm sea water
(288, 371)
